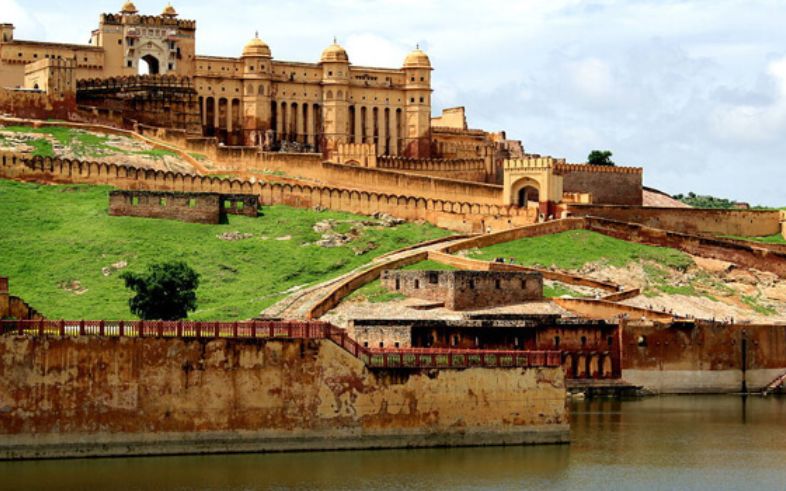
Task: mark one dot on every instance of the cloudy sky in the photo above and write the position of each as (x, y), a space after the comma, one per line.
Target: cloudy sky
(694, 91)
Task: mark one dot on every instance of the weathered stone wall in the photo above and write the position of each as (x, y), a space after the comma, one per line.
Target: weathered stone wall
(453, 215)
(472, 169)
(608, 185)
(130, 396)
(466, 290)
(12, 307)
(36, 105)
(187, 207)
(744, 223)
(710, 357)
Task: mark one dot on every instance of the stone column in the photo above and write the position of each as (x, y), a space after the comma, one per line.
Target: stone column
(393, 133)
(382, 132)
(216, 113)
(229, 116)
(280, 117)
(358, 125)
(203, 109)
(300, 129)
(369, 125)
(310, 130)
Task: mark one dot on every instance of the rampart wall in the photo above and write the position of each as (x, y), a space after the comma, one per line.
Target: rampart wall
(710, 357)
(607, 184)
(453, 215)
(743, 223)
(749, 255)
(153, 396)
(462, 169)
(36, 105)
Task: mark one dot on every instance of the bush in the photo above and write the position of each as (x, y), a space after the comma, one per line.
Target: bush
(167, 291)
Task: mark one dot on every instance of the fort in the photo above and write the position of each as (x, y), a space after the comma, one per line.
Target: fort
(474, 353)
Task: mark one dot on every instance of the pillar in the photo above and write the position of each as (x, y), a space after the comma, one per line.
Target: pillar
(358, 124)
(229, 117)
(300, 130)
(393, 133)
(369, 125)
(310, 130)
(383, 134)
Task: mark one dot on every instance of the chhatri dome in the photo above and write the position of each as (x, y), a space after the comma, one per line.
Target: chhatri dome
(334, 53)
(417, 59)
(169, 11)
(257, 47)
(129, 8)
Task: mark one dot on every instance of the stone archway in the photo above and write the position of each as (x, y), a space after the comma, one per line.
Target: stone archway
(526, 191)
(151, 65)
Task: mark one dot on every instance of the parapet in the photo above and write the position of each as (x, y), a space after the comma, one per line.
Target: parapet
(563, 167)
(533, 162)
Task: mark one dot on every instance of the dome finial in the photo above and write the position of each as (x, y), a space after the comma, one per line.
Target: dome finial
(335, 41)
(256, 34)
(417, 45)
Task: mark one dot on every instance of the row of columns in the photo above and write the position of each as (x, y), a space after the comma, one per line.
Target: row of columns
(296, 122)
(224, 115)
(382, 126)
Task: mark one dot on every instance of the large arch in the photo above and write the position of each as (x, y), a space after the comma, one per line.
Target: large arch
(151, 65)
(526, 191)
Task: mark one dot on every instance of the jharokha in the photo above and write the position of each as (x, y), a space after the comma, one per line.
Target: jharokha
(358, 139)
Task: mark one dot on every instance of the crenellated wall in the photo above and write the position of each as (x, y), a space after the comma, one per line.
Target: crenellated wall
(611, 185)
(454, 215)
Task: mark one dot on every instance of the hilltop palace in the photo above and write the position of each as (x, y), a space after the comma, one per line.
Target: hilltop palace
(347, 114)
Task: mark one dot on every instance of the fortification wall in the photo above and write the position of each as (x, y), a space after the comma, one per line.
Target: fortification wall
(709, 357)
(188, 207)
(148, 396)
(749, 255)
(743, 223)
(36, 105)
(607, 185)
(452, 215)
(460, 169)
(533, 230)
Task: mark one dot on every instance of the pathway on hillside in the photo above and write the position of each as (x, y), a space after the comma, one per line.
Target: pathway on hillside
(299, 304)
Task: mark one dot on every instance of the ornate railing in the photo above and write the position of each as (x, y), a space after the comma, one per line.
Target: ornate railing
(373, 358)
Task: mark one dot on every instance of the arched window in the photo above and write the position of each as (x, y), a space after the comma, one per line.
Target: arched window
(329, 95)
(261, 90)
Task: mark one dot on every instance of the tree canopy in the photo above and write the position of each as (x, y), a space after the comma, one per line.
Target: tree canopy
(600, 157)
(166, 291)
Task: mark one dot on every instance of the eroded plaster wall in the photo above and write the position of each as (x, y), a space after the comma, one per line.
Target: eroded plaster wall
(128, 396)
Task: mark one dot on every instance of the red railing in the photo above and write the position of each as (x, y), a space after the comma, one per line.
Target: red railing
(388, 358)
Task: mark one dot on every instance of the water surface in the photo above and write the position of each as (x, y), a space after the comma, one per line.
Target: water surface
(707, 442)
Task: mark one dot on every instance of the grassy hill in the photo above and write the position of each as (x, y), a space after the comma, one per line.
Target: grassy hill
(58, 246)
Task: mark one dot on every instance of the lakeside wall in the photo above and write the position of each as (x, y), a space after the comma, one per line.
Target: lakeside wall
(152, 396)
(704, 357)
(452, 215)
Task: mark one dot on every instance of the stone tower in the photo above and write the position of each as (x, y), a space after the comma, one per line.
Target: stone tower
(257, 92)
(335, 95)
(417, 124)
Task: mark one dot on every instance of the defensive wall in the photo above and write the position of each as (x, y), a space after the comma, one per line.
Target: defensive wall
(607, 184)
(742, 223)
(458, 216)
(703, 356)
(187, 207)
(746, 254)
(466, 290)
(153, 395)
(475, 170)
(36, 105)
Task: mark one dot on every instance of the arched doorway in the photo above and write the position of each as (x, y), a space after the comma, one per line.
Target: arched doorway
(150, 65)
(527, 195)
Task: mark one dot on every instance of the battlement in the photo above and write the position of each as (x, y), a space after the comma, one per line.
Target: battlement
(135, 81)
(147, 20)
(533, 162)
(564, 167)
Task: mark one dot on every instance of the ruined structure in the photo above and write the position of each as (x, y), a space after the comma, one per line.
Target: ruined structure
(186, 207)
(13, 307)
(464, 290)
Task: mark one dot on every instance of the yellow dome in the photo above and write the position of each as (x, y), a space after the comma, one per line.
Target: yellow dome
(257, 47)
(169, 11)
(334, 53)
(417, 59)
(129, 8)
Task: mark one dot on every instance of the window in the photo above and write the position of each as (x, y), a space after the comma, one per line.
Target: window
(192, 203)
(171, 66)
(422, 100)
(129, 64)
(417, 284)
(471, 284)
(412, 79)
(120, 41)
(433, 278)
(397, 345)
(381, 344)
(556, 341)
(412, 99)
(422, 79)
(584, 341)
(365, 344)
(239, 206)
(497, 284)
(162, 201)
(398, 284)
(134, 200)
(523, 284)
(227, 204)
(610, 341)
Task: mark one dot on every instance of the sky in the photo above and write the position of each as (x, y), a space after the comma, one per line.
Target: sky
(693, 91)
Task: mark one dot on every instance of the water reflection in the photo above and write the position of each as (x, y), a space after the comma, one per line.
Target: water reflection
(719, 442)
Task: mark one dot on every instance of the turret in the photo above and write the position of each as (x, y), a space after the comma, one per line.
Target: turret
(6, 33)
(257, 88)
(335, 95)
(417, 139)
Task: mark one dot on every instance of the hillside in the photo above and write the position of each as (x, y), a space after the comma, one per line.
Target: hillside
(63, 253)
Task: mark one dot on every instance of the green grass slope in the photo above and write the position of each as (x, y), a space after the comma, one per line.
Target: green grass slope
(575, 248)
(54, 236)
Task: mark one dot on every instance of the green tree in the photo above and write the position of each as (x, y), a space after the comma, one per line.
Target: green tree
(600, 157)
(166, 291)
